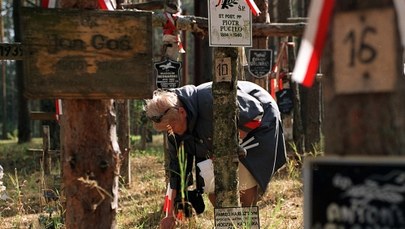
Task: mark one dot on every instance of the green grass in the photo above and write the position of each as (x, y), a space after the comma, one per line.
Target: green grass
(140, 203)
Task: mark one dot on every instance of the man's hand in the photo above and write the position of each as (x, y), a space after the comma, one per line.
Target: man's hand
(168, 222)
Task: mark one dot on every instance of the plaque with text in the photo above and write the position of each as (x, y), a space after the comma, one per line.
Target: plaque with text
(354, 192)
(168, 74)
(237, 217)
(260, 61)
(229, 23)
(87, 54)
(11, 51)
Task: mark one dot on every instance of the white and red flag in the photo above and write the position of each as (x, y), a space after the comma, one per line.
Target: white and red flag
(310, 51)
(48, 4)
(58, 109)
(168, 201)
(253, 7)
(107, 4)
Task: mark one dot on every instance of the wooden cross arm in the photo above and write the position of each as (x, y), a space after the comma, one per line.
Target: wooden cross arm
(199, 25)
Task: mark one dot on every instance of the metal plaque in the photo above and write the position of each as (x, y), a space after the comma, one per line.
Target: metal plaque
(168, 74)
(260, 61)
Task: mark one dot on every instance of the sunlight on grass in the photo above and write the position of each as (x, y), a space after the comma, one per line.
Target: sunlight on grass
(140, 203)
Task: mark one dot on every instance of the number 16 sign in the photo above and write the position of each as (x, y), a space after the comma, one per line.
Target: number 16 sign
(364, 51)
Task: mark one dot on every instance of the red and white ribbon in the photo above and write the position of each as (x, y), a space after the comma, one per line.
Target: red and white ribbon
(106, 4)
(253, 7)
(48, 4)
(168, 201)
(310, 51)
(58, 109)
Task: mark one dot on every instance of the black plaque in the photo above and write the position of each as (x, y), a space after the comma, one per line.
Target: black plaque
(260, 62)
(168, 74)
(354, 192)
(285, 100)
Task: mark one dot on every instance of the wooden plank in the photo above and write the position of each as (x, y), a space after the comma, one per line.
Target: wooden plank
(11, 51)
(43, 116)
(87, 54)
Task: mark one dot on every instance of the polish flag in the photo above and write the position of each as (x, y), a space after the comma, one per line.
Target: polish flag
(58, 109)
(168, 200)
(107, 4)
(48, 4)
(253, 7)
(310, 51)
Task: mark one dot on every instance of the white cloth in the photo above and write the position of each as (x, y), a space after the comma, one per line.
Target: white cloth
(207, 173)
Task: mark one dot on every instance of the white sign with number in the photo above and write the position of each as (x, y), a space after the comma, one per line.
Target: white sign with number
(229, 23)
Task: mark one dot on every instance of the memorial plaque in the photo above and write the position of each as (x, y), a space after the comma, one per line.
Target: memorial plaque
(168, 74)
(354, 192)
(238, 217)
(229, 23)
(260, 62)
(285, 100)
(87, 54)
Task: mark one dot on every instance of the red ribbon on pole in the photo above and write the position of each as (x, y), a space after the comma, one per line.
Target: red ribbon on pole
(311, 48)
(106, 5)
(253, 7)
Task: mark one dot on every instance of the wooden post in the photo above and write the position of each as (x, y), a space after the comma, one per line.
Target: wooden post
(364, 83)
(90, 159)
(91, 163)
(225, 130)
(46, 157)
(123, 139)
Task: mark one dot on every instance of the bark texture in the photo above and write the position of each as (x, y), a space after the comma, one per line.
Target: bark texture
(91, 163)
(365, 123)
(225, 133)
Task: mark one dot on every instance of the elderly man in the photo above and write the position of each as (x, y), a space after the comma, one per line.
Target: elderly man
(187, 114)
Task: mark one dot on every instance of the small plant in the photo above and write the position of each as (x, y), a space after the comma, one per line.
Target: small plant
(50, 220)
(184, 215)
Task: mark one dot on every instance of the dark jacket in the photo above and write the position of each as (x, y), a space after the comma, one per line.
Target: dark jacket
(262, 161)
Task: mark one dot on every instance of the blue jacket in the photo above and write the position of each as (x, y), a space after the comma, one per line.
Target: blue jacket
(262, 161)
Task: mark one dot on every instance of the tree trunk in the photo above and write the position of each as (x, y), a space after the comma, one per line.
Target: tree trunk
(24, 129)
(225, 132)
(91, 157)
(366, 123)
(311, 106)
(91, 163)
(123, 139)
